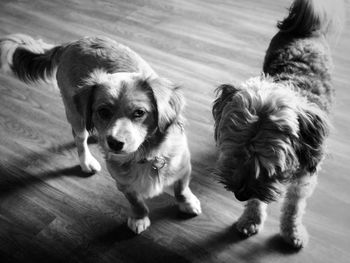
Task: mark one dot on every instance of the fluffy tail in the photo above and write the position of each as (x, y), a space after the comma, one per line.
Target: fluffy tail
(28, 59)
(308, 16)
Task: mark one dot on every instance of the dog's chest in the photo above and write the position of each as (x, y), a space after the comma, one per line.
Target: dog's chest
(147, 178)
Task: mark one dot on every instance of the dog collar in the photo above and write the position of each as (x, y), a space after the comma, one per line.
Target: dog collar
(157, 162)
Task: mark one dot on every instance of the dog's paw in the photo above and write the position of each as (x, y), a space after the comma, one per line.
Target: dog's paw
(191, 206)
(138, 225)
(251, 221)
(297, 236)
(248, 226)
(89, 164)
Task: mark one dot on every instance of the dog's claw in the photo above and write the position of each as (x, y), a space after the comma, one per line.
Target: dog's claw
(296, 237)
(253, 218)
(251, 224)
(138, 225)
(248, 228)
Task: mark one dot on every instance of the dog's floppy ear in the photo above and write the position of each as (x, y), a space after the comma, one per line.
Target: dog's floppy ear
(169, 101)
(83, 100)
(314, 128)
(224, 94)
(84, 97)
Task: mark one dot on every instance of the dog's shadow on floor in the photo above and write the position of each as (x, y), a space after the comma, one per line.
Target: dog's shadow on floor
(135, 248)
(16, 174)
(272, 247)
(14, 179)
(245, 249)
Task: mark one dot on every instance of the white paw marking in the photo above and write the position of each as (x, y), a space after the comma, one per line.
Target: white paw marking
(296, 236)
(138, 225)
(250, 223)
(248, 227)
(191, 206)
(89, 164)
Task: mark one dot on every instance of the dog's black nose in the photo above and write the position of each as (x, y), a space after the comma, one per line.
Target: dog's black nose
(114, 144)
(243, 195)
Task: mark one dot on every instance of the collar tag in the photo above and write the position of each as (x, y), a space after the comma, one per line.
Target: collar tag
(158, 163)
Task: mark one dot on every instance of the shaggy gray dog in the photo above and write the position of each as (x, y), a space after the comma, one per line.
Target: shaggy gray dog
(271, 130)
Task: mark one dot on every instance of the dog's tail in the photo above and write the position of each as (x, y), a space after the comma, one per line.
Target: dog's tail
(28, 59)
(308, 16)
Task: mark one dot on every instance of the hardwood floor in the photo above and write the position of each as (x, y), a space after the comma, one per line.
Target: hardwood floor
(51, 212)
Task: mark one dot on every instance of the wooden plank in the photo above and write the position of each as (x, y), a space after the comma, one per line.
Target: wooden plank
(50, 212)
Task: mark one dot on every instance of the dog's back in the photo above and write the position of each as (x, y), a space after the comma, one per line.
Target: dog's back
(299, 52)
(88, 54)
(32, 60)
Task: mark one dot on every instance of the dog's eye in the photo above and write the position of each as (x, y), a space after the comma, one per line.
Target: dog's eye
(138, 113)
(104, 113)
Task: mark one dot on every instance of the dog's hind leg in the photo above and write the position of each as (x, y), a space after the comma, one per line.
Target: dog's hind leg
(187, 201)
(138, 221)
(292, 229)
(253, 218)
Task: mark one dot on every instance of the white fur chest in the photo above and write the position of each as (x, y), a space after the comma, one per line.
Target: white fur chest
(147, 178)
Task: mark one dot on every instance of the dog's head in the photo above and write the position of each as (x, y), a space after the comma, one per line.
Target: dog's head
(127, 109)
(266, 133)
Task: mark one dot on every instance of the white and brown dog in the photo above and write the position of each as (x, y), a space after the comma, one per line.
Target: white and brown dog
(107, 87)
(271, 130)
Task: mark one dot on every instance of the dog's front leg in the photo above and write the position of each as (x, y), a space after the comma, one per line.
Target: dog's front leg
(292, 229)
(88, 163)
(138, 220)
(187, 201)
(253, 218)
